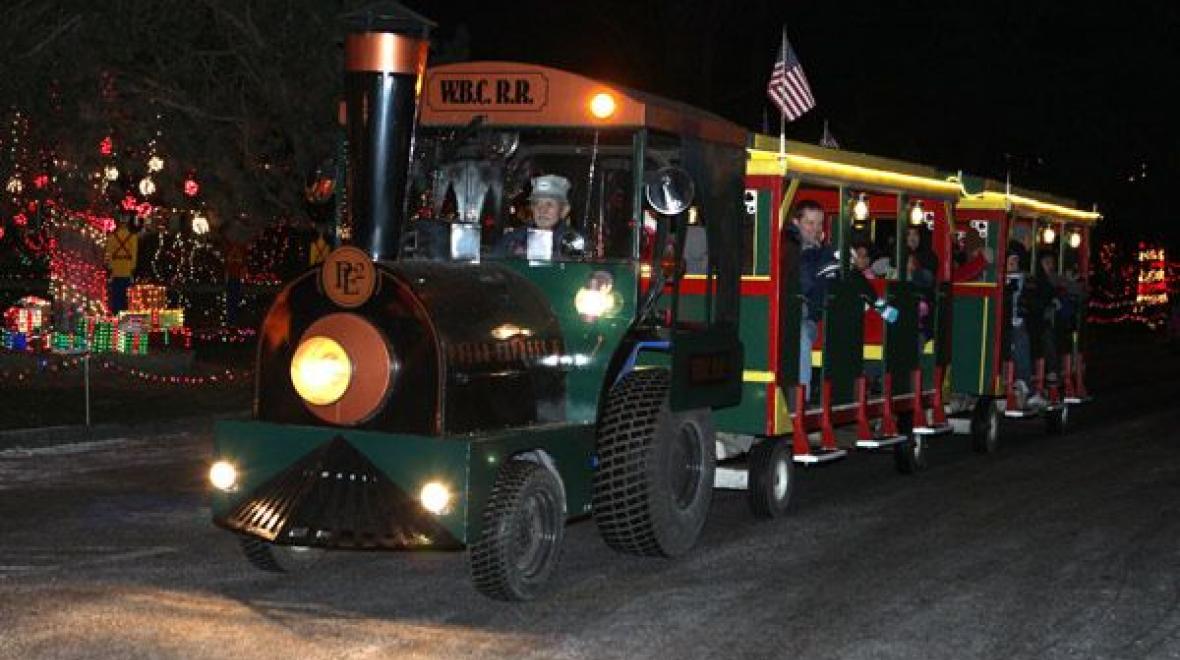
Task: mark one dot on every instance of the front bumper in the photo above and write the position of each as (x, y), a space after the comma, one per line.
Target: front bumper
(341, 488)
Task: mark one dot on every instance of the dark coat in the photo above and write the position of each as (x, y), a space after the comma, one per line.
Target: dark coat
(818, 265)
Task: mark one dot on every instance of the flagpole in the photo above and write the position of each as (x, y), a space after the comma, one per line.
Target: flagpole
(782, 118)
(782, 135)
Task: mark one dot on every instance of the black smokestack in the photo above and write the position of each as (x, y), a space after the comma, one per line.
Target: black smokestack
(384, 59)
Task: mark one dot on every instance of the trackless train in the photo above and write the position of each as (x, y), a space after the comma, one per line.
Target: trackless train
(427, 388)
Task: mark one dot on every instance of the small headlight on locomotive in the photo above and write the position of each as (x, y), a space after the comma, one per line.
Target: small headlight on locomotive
(435, 498)
(223, 475)
(321, 371)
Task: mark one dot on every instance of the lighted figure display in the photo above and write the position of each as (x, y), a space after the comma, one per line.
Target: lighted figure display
(122, 255)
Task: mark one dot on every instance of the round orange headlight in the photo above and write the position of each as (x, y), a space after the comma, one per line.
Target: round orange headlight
(343, 369)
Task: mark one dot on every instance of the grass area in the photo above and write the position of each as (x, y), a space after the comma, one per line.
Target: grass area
(37, 391)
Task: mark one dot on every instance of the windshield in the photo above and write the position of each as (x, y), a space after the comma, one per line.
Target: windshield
(481, 193)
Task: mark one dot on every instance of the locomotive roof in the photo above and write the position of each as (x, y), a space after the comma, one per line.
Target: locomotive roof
(839, 167)
(518, 94)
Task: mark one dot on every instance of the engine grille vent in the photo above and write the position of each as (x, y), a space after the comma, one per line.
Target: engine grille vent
(336, 497)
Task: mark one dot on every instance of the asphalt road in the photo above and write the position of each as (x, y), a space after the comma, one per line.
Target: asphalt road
(1056, 547)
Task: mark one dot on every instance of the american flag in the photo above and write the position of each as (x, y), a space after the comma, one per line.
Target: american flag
(788, 87)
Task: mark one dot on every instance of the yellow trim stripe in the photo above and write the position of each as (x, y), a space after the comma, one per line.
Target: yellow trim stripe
(870, 352)
(753, 376)
(770, 163)
(745, 278)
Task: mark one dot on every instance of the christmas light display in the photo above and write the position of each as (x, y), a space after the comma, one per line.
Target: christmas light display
(28, 316)
(1133, 286)
(226, 376)
(146, 298)
(59, 207)
(1151, 292)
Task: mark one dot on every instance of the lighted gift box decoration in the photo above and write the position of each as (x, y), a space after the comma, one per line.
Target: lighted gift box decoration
(146, 297)
(148, 323)
(28, 316)
(149, 304)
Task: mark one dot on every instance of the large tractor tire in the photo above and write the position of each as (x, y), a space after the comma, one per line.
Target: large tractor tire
(272, 558)
(985, 426)
(771, 478)
(523, 524)
(654, 481)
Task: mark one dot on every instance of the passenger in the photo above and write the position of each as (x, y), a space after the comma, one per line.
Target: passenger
(1019, 349)
(817, 266)
(550, 206)
(976, 258)
(1023, 235)
(1046, 304)
(921, 270)
(883, 265)
(862, 260)
(1074, 296)
(925, 267)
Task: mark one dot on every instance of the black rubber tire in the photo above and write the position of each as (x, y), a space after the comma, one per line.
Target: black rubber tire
(909, 457)
(1057, 421)
(654, 481)
(771, 478)
(272, 558)
(523, 526)
(985, 426)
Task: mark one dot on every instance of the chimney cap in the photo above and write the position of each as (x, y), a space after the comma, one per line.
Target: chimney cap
(388, 17)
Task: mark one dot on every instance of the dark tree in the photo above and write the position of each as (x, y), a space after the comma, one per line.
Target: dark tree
(242, 93)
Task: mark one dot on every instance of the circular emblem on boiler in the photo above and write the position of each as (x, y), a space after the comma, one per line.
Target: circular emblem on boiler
(348, 277)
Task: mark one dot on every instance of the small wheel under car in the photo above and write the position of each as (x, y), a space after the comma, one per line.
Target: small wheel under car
(273, 558)
(771, 478)
(523, 526)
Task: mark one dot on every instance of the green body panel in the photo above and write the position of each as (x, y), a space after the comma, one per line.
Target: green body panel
(942, 324)
(749, 416)
(755, 331)
(467, 464)
(973, 331)
(589, 342)
(761, 246)
(899, 256)
(843, 353)
(901, 337)
(790, 311)
(841, 228)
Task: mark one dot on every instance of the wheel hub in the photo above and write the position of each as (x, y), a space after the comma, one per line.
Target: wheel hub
(685, 466)
(782, 478)
(534, 533)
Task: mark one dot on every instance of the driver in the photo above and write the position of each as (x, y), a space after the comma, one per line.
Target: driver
(550, 205)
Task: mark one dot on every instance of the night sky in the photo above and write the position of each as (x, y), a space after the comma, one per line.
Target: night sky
(1071, 98)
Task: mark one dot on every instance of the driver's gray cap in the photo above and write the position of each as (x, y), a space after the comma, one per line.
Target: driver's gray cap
(551, 186)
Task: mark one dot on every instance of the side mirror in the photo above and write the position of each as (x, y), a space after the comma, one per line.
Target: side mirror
(670, 191)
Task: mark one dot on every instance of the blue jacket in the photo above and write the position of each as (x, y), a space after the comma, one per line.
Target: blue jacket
(818, 265)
